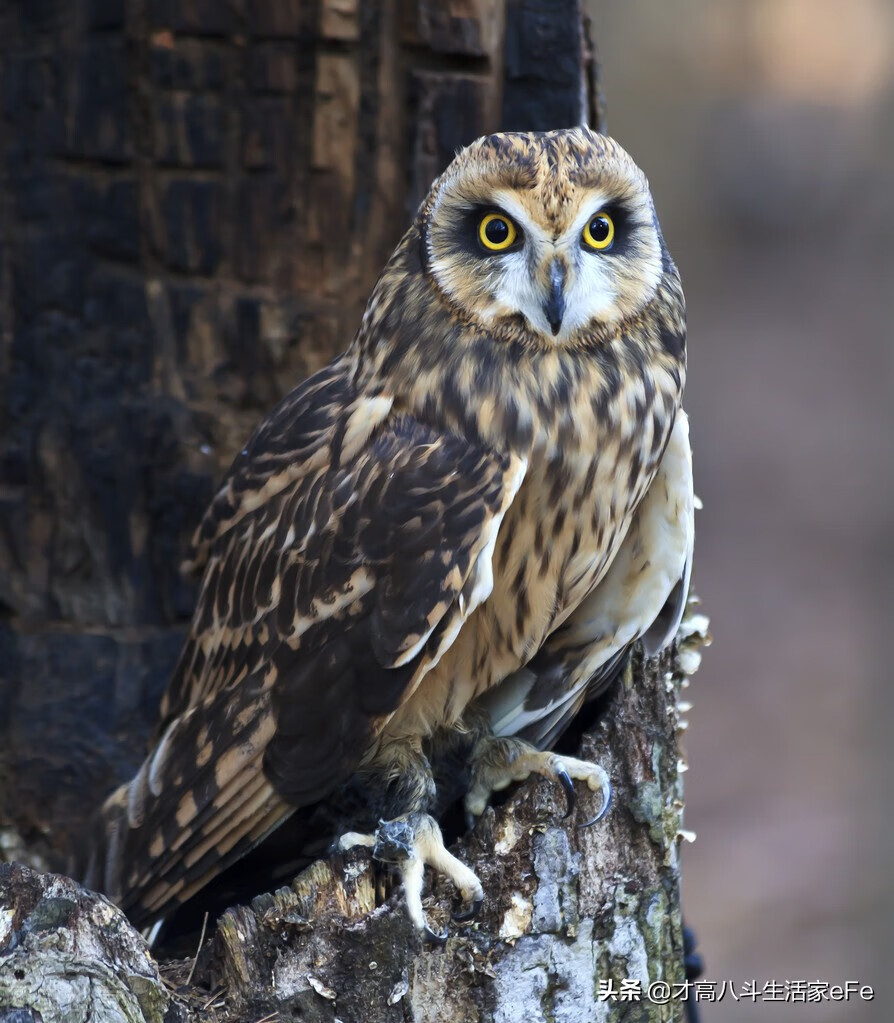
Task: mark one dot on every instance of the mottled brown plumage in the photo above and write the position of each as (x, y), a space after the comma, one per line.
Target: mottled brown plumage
(458, 521)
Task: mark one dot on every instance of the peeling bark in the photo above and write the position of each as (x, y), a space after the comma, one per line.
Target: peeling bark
(70, 956)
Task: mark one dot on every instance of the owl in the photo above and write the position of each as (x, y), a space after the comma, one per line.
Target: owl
(441, 545)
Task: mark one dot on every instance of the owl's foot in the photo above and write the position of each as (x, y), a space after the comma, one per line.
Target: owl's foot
(497, 762)
(410, 843)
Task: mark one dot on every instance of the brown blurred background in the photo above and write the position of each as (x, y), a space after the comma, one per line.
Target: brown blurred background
(765, 127)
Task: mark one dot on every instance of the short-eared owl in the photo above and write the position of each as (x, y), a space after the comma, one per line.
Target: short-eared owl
(446, 540)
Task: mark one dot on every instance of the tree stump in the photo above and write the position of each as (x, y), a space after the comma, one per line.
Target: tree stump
(578, 925)
(69, 955)
(571, 916)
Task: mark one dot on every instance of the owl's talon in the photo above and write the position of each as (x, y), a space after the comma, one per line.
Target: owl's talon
(433, 938)
(471, 820)
(464, 915)
(410, 843)
(497, 762)
(567, 784)
(606, 805)
(351, 840)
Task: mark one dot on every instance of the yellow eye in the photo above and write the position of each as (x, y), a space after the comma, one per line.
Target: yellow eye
(496, 232)
(599, 232)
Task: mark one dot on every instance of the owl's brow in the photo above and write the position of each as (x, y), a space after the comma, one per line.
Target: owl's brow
(621, 183)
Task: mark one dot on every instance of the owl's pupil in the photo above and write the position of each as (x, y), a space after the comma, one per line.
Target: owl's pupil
(496, 231)
(599, 229)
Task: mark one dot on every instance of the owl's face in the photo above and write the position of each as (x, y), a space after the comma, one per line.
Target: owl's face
(553, 233)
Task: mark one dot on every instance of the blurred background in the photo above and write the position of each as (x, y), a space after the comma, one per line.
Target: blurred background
(767, 130)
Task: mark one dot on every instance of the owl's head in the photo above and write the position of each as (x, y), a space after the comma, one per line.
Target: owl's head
(549, 234)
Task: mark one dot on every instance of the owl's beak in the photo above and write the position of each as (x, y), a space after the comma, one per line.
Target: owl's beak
(554, 307)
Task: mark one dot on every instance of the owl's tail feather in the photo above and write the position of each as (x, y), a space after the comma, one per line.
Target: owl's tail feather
(184, 818)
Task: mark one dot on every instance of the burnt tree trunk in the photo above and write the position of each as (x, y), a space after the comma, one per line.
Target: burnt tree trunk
(196, 199)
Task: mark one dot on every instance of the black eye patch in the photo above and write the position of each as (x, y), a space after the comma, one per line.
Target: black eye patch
(465, 236)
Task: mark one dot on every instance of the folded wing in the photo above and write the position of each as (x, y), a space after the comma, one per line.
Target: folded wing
(641, 597)
(341, 557)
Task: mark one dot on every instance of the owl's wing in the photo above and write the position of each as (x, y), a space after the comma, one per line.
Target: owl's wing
(641, 597)
(343, 553)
